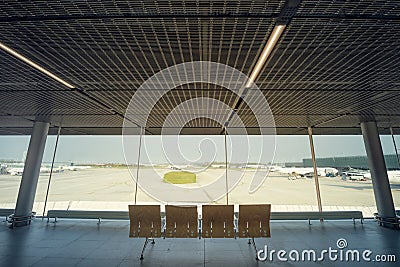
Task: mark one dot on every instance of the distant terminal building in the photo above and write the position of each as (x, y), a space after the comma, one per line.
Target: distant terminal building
(358, 162)
(293, 164)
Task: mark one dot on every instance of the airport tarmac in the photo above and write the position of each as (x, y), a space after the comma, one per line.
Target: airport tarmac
(113, 188)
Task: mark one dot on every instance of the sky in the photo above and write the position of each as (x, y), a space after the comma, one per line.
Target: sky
(109, 149)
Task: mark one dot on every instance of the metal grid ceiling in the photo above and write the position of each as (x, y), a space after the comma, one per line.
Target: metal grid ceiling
(336, 61)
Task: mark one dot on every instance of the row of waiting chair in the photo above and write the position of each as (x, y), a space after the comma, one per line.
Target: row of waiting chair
(218, 221)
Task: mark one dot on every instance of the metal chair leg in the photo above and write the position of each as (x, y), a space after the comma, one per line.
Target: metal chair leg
(144, 247)
(253, 242)
(148, 239)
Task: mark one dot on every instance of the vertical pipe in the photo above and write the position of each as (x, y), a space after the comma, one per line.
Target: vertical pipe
(138, 163)
(377, 166)
(30, 175)
(51, 170)
(315, 170)
(395, 147)
(226, 171)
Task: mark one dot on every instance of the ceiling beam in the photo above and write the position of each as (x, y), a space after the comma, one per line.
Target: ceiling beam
(150, 15)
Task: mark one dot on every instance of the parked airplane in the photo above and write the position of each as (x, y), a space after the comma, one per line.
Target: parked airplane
(393, 176)
(74, 168)
(20, 170)
(295, 173)
(15, 171)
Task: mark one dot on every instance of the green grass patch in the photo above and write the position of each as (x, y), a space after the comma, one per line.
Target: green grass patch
(180, 177)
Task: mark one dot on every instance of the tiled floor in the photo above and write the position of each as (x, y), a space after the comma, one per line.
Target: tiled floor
(84, 243)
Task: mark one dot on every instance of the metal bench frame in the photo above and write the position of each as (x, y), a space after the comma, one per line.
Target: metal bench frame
(7, 213)
(85, 214)
(316, 215)
(13, 220)
(393, 221)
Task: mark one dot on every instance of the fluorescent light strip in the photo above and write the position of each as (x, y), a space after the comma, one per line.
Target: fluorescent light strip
(273, 39)
(33, 64)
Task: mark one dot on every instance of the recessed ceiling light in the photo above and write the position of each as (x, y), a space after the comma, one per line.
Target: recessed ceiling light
(273, 39)
(33, 64)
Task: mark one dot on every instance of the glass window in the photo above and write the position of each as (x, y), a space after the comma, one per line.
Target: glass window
(344, 176)
(89, 174)
(90, 171)
(392, 165)
(288, 186)
(12, 156)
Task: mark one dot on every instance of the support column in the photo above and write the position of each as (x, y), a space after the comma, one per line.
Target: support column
(30, 175)
(377, 166)
(318, 192)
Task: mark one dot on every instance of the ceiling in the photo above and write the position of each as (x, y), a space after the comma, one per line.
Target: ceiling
(336, 63)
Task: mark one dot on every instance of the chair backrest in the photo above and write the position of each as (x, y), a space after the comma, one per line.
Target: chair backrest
(181, 221)
(217, 221)
(145, 221)
(254, 220)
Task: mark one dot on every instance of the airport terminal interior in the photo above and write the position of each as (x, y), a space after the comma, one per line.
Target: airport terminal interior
(200, 133)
